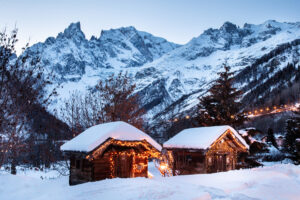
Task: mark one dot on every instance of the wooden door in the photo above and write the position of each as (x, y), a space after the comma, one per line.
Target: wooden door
(220, 162)
(123, 166)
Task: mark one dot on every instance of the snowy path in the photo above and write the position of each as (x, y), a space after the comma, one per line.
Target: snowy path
(274, 182)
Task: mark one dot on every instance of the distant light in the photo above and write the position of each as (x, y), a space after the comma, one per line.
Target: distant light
(187, 117)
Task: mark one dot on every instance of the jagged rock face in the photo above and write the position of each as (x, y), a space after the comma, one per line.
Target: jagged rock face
(163, 71)
(70, 53)
(155, 96)
(194, 65)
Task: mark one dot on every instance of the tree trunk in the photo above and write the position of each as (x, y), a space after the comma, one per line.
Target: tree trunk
(13, 169)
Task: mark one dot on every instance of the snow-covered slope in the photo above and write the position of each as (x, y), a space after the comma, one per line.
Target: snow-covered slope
(281, 181)
(165, 72)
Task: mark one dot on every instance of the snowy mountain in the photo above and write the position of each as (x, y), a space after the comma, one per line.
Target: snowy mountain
(70, 54)
(257, 53)
(167, 74)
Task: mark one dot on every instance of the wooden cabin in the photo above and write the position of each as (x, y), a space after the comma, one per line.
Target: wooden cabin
(110, 150)
(204, 150)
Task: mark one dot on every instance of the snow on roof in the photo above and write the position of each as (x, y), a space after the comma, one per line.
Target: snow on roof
(243, 132)
(200, 138)
(94, 136)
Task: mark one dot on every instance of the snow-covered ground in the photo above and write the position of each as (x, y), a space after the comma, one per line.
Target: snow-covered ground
(280, 181)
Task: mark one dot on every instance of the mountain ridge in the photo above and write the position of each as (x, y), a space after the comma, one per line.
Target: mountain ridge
(163, 71)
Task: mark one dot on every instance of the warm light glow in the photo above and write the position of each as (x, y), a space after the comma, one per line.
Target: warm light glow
(218, 141)
(187, 117)
(163, 167)
(150, 151)
(150, 175)
(276, 109)
(137, 167)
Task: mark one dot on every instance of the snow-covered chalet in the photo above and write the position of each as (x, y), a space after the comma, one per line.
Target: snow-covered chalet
(204, 150)
(109, 150)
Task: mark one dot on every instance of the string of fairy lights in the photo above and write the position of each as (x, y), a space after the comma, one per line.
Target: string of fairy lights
(137, 167)
(168, 159)
(164, 162)
(273, 109)
(220, 144)
(221, 140)
(256, 112)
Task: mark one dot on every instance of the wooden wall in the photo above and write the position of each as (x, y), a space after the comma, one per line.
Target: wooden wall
(220, 157)
(140, 166)
(188, 162)
(198, 162)
(101, 168)
(80, 171)
(113, 163)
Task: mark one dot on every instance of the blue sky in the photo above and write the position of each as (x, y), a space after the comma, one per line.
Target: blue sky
(176, 20)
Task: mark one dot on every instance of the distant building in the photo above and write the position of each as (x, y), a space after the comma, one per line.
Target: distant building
(204, 150)
(110, 150)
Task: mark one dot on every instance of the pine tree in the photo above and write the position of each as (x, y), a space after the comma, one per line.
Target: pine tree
(221, 106)
(271, 138)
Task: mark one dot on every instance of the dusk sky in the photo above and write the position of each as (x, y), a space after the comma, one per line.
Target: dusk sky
(177, 21)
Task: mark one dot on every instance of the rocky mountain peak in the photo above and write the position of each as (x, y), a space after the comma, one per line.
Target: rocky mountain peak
(271, 23)
(117, 34)
(229, 27)
(73, 31)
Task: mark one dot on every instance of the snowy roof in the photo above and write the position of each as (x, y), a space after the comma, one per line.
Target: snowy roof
(243, 132)
(94, 136)
(200, 138)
